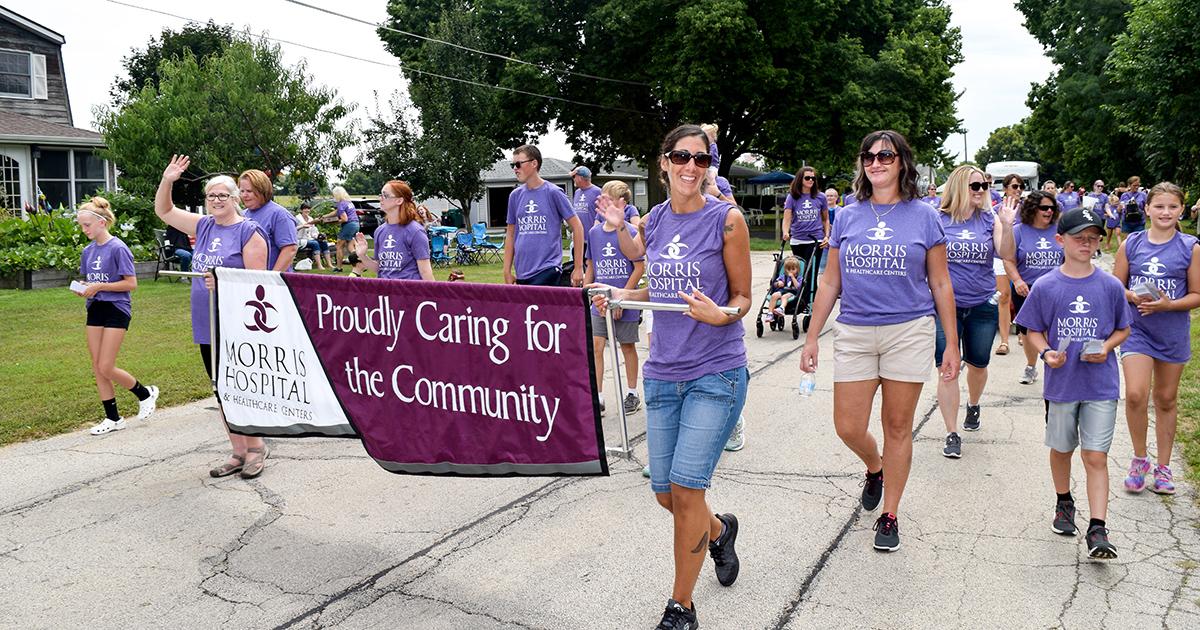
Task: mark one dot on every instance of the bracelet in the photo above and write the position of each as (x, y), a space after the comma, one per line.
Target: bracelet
(1042, 354)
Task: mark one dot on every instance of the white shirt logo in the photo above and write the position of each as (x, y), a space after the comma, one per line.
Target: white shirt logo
(966, 235)
(1079, 305)
(880, 233)
(215, 244)
(96, 265)
(674, 249)
(390, 242)
(807, 203)
(1043, 243)
(609, 250)
(1153, 268)
(531, 207)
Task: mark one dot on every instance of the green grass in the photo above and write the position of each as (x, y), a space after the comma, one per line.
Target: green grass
(1188, 432)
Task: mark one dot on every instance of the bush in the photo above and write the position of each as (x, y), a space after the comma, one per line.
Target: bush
(43, 241)
(135, 213)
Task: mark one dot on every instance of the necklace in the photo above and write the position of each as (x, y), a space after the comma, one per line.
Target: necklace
(880, 216)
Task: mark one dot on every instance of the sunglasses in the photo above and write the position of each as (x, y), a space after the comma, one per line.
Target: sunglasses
(1017, 186)
(679, 157)
(517, 164)
(1049, 207)
(978, 186)
(809, 178)
(886, 157)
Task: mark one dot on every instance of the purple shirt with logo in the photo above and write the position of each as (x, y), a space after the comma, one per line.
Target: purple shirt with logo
(686, 252)
(970, 249)
(1162, 335)
(806, 216)
(1037, 252)
(1079, 309)
(109, 262)
(883, 261)
(217, 246)
(609, 265)
(1140, 198)
(279, 227)
(538, 215)
(398, 248)
(1067, 201)
(347, 209)
(934, 201)
(585, 205)
(1101, 208)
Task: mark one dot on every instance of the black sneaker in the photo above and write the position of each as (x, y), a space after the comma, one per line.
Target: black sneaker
(722, 551)
(887, 533)
(632, 403)
(972, 421)
(1064, 519)
(872, 492)
(1098, 545)
(677, 617)
(953, 446)
(602, 406)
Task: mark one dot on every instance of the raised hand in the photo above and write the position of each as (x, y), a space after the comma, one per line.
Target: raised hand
(1007, 210)
(179, 164)
(360, 245)
(607, 208)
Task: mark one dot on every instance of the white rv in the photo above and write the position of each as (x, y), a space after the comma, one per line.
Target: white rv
(1027, 170)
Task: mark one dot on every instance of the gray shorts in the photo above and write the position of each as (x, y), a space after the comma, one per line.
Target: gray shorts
(1086, 423)
(627, 332)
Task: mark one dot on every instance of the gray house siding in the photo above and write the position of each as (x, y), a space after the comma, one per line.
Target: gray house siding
(56, 107)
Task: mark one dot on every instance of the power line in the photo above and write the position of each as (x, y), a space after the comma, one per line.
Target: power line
(461, 47)
(402, 67)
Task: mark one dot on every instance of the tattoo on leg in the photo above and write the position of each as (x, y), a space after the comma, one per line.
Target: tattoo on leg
(703, 544)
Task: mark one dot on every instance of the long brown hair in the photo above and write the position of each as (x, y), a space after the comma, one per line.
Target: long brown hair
(797, 187)
(1032, 206)
(908, 168)
(408, 209)
(668, 145)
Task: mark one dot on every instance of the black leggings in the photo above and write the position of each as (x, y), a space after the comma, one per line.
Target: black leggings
(206, 356)
(803, 251)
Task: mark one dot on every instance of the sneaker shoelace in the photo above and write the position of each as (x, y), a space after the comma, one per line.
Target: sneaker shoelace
(719, 551)
(886, 525)
(1064, 512)
(673, 617)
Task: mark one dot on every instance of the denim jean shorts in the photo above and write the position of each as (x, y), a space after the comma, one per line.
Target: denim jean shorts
(977, 328)
(688, 424)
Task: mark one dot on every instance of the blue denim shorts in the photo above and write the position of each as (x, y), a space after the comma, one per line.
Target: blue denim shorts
(977, 328)
(688, 424)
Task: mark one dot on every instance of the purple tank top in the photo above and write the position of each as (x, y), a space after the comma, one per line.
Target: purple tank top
(109, 262)
(969, 251)
(685, 252)
(216, 246)
(1162, 335)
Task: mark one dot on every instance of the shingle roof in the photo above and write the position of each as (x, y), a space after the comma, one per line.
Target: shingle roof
(19, 128)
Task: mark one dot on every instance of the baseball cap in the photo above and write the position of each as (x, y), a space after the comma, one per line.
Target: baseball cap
(1076, 220)
(583, 171)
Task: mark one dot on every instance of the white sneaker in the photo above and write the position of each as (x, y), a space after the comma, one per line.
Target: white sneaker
(1029, 376)
(107, 426)
(147, 407)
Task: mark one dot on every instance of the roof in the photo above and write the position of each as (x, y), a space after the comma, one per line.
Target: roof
(32, 26)
(556, 169)
(19, 129)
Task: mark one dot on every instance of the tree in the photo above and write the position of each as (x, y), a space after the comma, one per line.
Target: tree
(790, 85)
(1007, 144)
(362, 181)
(242, 108)
(200, 40)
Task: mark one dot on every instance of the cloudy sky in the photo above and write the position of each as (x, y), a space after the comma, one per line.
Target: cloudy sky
(1001, 58)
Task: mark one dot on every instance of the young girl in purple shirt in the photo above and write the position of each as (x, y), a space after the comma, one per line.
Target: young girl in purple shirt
(107, 266)
(1159, 343)
(401, 246)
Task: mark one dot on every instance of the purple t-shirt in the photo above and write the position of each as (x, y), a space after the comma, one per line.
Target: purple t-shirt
(538, 215)
(806, 216)
(1162, 335)
(969, 251)
(609, 265)
(1067, 201)
(722, 185)
(279, 227)
(1037, 252)
(1140, 198)
(712, 150)
(1081, 309)
(347, 209)
(934, 201)
(1101, 208)
(685, 252)
(109, 262)
(217, 246)
(631, 212)
(398, 248)
(585, 205)
(883, 261)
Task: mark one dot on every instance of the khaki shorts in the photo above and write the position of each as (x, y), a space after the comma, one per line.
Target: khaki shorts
(898, 352)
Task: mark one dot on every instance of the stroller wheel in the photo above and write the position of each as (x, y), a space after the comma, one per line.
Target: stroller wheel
(795, 330)
(759, 327)
(807, 319)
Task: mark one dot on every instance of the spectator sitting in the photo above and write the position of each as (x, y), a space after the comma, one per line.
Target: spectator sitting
(310, 237)
(182, 246)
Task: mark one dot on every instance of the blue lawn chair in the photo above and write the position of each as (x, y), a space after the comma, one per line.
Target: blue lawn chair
(437, 250)
(490, 251)
(464, 254)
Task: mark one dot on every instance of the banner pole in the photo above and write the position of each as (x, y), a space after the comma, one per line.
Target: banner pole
(624, 451)
(212, 335)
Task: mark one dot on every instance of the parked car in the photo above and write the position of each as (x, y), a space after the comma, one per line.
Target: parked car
(370, 214)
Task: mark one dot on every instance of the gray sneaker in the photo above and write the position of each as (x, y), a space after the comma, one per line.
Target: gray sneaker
(1029, 376)
(737, 439)
(632, 403)
(953, 446)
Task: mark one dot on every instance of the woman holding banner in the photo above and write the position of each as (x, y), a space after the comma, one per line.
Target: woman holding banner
(223, 239)
(697, 365)
(401, 245)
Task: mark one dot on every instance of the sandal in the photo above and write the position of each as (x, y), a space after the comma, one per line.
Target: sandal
(1003, 349)
(254, 467)
(226, 469)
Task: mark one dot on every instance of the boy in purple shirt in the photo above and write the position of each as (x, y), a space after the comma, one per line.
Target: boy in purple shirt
(532, 242)
(608, 265)
(1076, 316)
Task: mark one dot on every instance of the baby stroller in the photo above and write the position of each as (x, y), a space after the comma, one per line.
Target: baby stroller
(793, 305)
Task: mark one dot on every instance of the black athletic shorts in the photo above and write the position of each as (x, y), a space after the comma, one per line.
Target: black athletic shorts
(106, 315)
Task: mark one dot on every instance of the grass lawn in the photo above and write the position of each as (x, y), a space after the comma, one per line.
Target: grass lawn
(1188, 432)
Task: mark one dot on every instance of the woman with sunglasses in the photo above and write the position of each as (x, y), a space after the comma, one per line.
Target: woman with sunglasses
(696, 370)
(1068, 199)
(401, 245)
(1036, 254)
(1014, 186)
(806, 223)
(975, 236)
(888, 254)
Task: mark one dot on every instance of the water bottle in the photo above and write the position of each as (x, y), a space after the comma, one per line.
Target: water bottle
(808, 383)
(995, 299)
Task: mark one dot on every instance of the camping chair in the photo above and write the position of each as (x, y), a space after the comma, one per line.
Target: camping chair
(166, 254)
(489, 251)
(464, 254)
(437, 250)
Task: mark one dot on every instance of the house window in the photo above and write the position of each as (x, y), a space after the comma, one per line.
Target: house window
(89, 175)
(10, 183)
(68, 176)
(16, 74)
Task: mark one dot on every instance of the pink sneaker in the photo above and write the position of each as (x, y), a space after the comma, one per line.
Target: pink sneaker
(1163, 484)
(1138, 469)
(768, 318)
(778, 312)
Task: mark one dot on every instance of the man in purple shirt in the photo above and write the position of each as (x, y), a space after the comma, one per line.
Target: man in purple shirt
(533, 241)
(585, 196)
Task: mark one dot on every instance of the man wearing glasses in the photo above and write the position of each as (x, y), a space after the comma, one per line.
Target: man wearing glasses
(533, 239)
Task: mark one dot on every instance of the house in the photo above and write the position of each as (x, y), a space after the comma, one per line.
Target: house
(40, 148)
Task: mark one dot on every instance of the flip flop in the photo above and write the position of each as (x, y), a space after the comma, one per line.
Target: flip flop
(226, 469)
(1003, 349)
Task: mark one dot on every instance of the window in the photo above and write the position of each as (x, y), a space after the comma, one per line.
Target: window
(89, 175)
(22, 75)
(67, 176)
(10, 183)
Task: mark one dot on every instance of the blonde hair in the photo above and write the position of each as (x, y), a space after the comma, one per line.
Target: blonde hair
(340, 194)
(707, 127)
(956, 200)
(791, 262)
(617, 189)
(100, 207)
(259, 182)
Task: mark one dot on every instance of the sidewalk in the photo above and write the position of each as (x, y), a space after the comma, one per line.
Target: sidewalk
(128, 530)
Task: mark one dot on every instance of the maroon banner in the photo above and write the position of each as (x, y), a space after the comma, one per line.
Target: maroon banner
(459, 378)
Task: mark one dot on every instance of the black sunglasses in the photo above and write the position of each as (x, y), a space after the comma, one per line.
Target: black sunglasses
(1049, 207)
(1017, 186)
(679, 157)
(808, 178)
(978, 186)
(517, 164)
(886, 157)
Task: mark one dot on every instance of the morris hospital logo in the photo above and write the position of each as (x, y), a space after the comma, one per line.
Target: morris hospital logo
(674, 249)
(966, 235)
(260, 311)
(1043, 243)
(215, 245)
(531, 207)
(1080, 306)
(609, 250)
(1152, 268)
(96, 265)
(390, 242)
(879, 233)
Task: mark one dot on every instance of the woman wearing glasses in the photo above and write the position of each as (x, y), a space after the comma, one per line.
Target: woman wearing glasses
(975, 236)
(806, 223)
(1014, 186)
(697, 365)
(1036, 254)
(401, 246)
(889, 267)
(223, 239)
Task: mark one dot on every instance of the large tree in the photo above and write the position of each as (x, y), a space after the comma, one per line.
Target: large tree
(789, 82)
(242, 108)
(1013, 143)
(200, 40)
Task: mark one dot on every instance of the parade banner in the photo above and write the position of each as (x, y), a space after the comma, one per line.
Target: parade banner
(433, 377)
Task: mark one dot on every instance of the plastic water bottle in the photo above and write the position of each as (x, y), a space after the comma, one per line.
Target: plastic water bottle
(995, 299)
(808, 383)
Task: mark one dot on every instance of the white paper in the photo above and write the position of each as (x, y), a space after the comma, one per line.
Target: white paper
(77, 286)
(1062, 345)
(1147, 289)
(1094, 346)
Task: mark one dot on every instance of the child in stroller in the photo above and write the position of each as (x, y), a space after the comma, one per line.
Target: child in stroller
(795, 280)
(784, 289)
